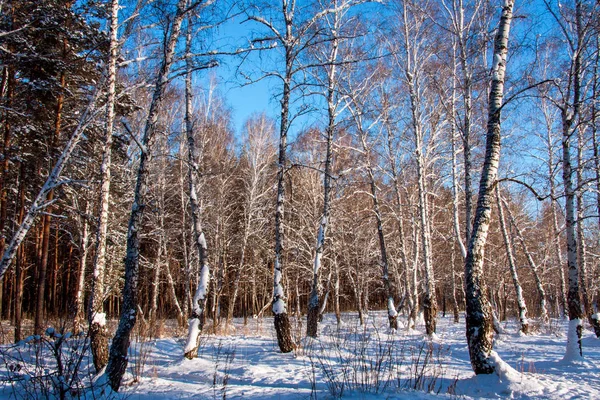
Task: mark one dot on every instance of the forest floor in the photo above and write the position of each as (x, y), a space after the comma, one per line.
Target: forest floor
(352, 361)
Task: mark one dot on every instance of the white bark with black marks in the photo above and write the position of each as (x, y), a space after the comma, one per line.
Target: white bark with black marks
(479, 312)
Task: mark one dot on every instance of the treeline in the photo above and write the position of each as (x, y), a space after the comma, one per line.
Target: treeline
(369, 200)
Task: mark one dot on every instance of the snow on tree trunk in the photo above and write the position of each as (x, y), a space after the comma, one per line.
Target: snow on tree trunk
(283, 327)
(187, 302)
(117, 361)
(196, 322)
(313, 303)
(556, 232)
(511, 265)
(98, 332)
(568, 119)
(479, 312)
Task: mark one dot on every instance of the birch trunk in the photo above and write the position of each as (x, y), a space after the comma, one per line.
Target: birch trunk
(196, 322)
(391, 310)
(512, 265)
(187, 268)
(117, 362)
(97, 314)
(20, 262)
(283, 327)
(313, 302)
(455, 217)
(412, 79)
(83, 255)
(568, 119)
(534, 269)
(595, 320)
(399, 212)
(479, 312)
(555, 229)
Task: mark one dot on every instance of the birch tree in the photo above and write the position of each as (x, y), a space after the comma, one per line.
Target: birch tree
(117, 361)
(294, 31)
(329, 60)
(479, 312)
(575, 24)
(414, 32)
(365, 124)
(96, 314)
(508, 245)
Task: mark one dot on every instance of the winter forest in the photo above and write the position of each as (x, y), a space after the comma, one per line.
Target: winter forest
(413, 211)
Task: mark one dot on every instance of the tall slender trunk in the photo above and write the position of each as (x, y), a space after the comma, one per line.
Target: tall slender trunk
(399, 212)
(412, 75)
(117, 362)
(79, 308)
(196, 322)
(512, 265)
(187, 267)
(557, 245)
(568, 118)
(479, 312)
(313, 302)
(391, 309)
(534, 269)
(595, 320)
(96, 313)
(20, 262)
(283, 327)
(414, 279)
(455, 216)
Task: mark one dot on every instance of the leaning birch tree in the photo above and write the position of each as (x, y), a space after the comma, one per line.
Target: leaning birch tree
(479, 312)
(117, 361)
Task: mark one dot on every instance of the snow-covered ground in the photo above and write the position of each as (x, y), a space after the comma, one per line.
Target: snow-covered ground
(360, 362)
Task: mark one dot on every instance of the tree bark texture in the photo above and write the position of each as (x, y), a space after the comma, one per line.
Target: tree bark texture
(197, 319)
(117, 362)
(96, 314)
(479, 312)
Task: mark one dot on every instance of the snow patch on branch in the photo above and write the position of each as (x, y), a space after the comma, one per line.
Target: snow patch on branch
(99, 319)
